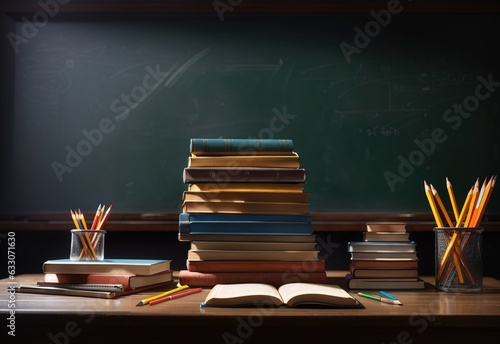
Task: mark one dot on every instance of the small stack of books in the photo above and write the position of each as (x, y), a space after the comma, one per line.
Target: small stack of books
(246, 215)
(385, 259)
(106, 278)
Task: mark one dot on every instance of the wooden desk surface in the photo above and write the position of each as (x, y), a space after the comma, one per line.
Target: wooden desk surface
(426, 316)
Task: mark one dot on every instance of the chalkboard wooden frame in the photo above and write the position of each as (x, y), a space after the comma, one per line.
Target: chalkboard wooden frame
(117, 9)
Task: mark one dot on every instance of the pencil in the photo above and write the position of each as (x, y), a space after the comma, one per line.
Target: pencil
(103, 220)
(441, 205)
(82, 219)
(149, 299)
(175, 296)
(472, 205)
(96, 218)
(453, 200)
(381, 299)
(484, 201)
(430, 199)
(464, 208)
(386, 294)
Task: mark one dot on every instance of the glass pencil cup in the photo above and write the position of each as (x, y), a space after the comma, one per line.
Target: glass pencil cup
(87, 244)
(459, 259)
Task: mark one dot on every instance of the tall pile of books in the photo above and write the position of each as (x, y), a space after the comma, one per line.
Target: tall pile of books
(246, 215)
(385, 259)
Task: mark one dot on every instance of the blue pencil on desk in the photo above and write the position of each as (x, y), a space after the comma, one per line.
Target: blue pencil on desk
(381, 299)
(386, 294)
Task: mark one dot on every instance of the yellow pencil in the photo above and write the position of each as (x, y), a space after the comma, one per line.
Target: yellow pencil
(452, 199)
(149, 299)
(441, 205)
(464, 207)
(428, 193)
(472, 205)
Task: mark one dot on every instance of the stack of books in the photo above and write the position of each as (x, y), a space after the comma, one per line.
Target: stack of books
(107, 278)
(246, 215)
(385, 259)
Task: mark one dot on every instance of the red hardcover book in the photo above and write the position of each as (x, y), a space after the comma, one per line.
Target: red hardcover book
(255, 266)
(277, 279)
(128, 281)
(380, 264)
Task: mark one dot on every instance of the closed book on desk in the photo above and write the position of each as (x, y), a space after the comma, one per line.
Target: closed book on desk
(253, 246)
(246, 187)
(276, 161)
(386, 236)
(128, 281)
(210, 279)
(245, 224)
(290, 295)
(384, 283)
(381, 246)
(36, 289)
(252, 255)
(383, 273)
(386, 227)
(387, 256)
(249, 196)
(380, 264)
(243, 175)
(240, 266)
(106, 266)
(210, 146)
(245, 207)
(246, 237)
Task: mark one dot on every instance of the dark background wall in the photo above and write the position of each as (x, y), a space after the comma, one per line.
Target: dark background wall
(99, 108)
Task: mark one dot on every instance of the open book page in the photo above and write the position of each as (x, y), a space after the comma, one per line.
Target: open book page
(333, 295)
(242, 294)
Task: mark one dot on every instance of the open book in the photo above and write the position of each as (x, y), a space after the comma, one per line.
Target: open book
(288, 295)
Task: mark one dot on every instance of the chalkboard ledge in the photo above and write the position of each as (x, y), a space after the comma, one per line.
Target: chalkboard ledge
(168, 222)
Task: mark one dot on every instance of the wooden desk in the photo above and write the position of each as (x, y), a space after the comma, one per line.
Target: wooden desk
(427, 316)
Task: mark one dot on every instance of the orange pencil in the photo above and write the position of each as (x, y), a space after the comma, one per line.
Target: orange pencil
(472, 206)
(484, 202)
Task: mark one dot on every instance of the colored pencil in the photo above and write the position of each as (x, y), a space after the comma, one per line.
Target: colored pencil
(175, 296)
(155, 297)
(381, 299)
(453, 200)
(96, 218)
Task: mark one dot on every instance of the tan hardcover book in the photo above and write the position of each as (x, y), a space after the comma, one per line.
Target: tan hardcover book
(244, 187)
(246, 207)
(253, 246)
(278, 161)
(386, 227)
(245, 196)
(252, 255)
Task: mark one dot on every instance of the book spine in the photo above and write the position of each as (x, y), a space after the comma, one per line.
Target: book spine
(248, 228)
(256, 266)
(239, 218)
(88, 279)
(239, 175)
(197, 279)
(240, 145)
(270, 161)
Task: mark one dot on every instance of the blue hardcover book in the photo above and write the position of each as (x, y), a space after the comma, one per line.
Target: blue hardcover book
(269, 224)
(204, 145)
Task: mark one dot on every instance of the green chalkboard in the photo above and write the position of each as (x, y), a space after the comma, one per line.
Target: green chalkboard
(104, 109)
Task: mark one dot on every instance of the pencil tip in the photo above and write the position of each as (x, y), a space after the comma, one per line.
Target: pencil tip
(140, 304)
